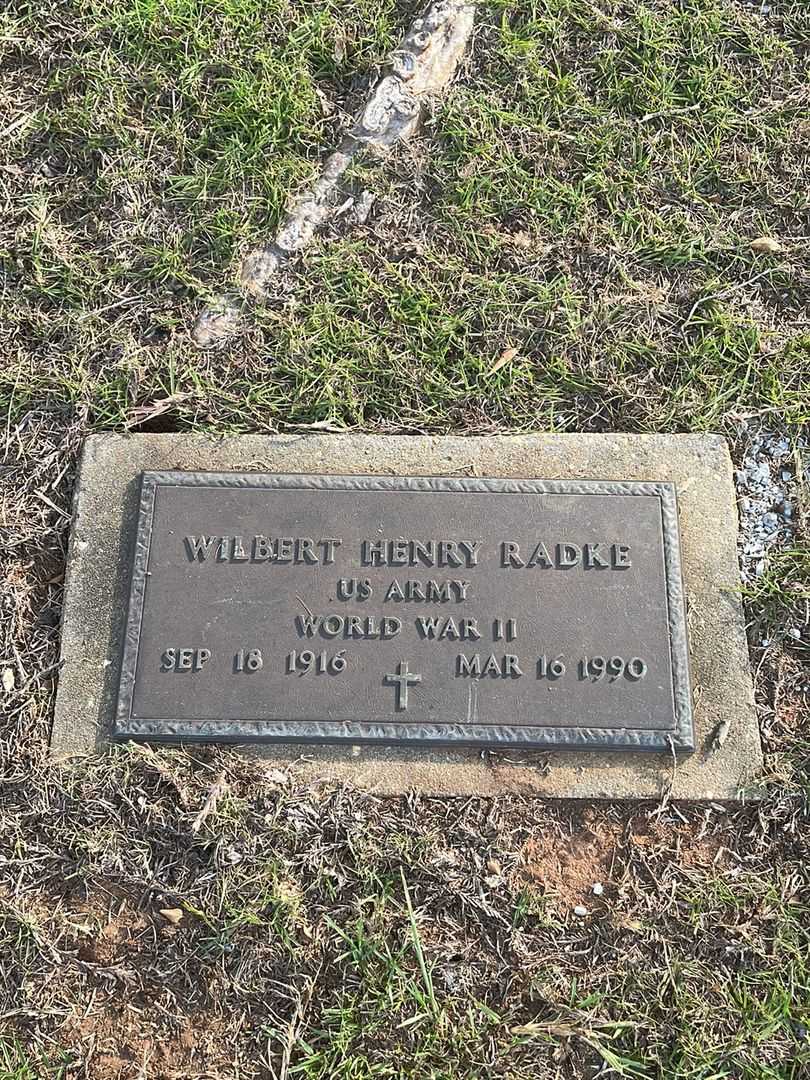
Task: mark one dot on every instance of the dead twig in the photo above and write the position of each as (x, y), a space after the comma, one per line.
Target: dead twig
(217, 790)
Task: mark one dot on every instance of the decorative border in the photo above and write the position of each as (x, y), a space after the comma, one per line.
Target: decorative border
(680, 738)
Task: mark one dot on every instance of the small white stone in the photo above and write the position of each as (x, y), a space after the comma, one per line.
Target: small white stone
(597, 888)
(580, 911)
(795, 633)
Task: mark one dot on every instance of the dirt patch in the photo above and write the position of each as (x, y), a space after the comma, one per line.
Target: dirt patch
(118, 1042)
(567, 866)
(602, 852)
(112, 941)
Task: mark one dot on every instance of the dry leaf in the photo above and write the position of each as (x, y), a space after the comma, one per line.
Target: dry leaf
(503, 359)
(8, 679)
(172, 915)
(766, 244)
(494, 866)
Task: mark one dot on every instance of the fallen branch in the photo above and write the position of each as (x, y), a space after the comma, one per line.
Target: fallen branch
(423, 65)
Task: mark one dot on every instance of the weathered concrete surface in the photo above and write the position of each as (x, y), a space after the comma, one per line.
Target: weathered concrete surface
(104, 518)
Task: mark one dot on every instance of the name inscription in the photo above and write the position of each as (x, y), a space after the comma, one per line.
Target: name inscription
(304, 551)
(253, 617)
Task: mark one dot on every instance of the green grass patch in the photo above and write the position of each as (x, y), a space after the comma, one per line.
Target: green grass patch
(587, 193)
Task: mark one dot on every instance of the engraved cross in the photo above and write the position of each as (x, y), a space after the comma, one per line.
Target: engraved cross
(402, 680)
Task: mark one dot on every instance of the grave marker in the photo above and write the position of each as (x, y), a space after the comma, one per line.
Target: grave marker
(551, 732)
(486, 611)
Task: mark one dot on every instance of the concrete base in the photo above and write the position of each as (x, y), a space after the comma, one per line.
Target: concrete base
(105, 511)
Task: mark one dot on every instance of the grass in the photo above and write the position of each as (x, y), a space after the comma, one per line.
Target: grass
(587, 193)
(307, 938)
(17, 1064)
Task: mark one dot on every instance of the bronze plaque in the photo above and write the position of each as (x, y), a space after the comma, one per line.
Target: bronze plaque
(409, 610)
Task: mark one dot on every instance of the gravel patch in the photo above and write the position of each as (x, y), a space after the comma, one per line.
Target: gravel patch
(766, 478)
